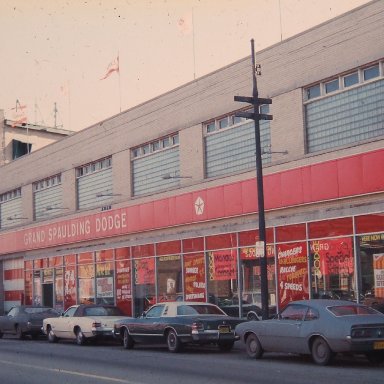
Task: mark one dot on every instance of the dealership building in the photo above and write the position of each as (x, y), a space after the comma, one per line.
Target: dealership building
(159, 202)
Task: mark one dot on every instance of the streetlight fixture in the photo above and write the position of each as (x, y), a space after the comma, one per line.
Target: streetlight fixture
(107, 194)
(10, 218)
(168, 176)
(53, 208)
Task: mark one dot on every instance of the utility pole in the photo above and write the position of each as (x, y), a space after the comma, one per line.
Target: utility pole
(257, 116)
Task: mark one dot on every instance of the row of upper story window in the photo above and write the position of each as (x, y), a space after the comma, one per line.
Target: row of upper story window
(55, 180)
(10, 195)
(345, 81)
(228, 121)
(94, 166)
(214, 126)
(155, 145)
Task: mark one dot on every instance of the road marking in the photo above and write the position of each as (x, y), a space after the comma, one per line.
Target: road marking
(73, 373)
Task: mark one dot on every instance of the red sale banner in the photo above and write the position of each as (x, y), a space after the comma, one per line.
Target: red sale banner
(69, 286)
(222, 265)
(332, 256)
(249, 253)
(145, 271)
(292, 267)
(194, 277)
(123, 286)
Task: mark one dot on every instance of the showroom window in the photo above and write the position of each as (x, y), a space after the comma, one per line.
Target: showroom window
(332, 266)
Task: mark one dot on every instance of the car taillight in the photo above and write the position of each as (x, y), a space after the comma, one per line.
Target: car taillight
(364, 332)
(196, 327)
(96, 324)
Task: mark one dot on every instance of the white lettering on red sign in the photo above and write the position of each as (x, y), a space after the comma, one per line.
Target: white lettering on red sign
(110, 222)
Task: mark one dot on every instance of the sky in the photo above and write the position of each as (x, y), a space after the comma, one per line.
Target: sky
(56, 52)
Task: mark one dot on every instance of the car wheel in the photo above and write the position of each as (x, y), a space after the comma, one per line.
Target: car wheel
(80, 338)
(128, 342)
(253, 346)
(375, 357)
(19, 333)
(227, 346)
(173, 342)
(321, 353)
(51, 336)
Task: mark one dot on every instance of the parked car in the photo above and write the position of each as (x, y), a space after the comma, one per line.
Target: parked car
(24, 320)
(250, 306)
(83, 322)
(318, 327)
(179, 323)
(374, 302)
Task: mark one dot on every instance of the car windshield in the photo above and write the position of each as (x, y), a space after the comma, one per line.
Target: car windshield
(102, 311)
(199, 310)
(348, 310)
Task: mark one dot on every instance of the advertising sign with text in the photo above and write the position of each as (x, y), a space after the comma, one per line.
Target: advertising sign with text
(145, 271)
(292, 267)
(123, 286)
(194, 277)
(222, 265)
(378, 272)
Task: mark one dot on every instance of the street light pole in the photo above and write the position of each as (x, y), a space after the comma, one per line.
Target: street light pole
(257, 116)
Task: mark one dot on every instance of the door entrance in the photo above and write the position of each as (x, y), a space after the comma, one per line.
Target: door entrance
(47, 295)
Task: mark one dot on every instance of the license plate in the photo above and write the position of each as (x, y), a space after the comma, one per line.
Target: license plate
(224, 329)
(378, 345)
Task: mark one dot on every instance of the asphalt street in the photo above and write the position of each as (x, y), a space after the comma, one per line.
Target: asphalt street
(36, 362)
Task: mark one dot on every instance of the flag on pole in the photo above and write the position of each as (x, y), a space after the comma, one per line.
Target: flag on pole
(112, 67)
(19, 115)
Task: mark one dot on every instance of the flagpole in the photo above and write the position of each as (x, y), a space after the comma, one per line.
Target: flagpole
(193, 47)
(69, 104)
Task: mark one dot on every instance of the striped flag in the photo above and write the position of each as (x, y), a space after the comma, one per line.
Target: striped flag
(20, 114)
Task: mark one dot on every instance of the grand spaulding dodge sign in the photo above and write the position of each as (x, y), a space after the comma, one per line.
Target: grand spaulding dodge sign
(70, 231)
